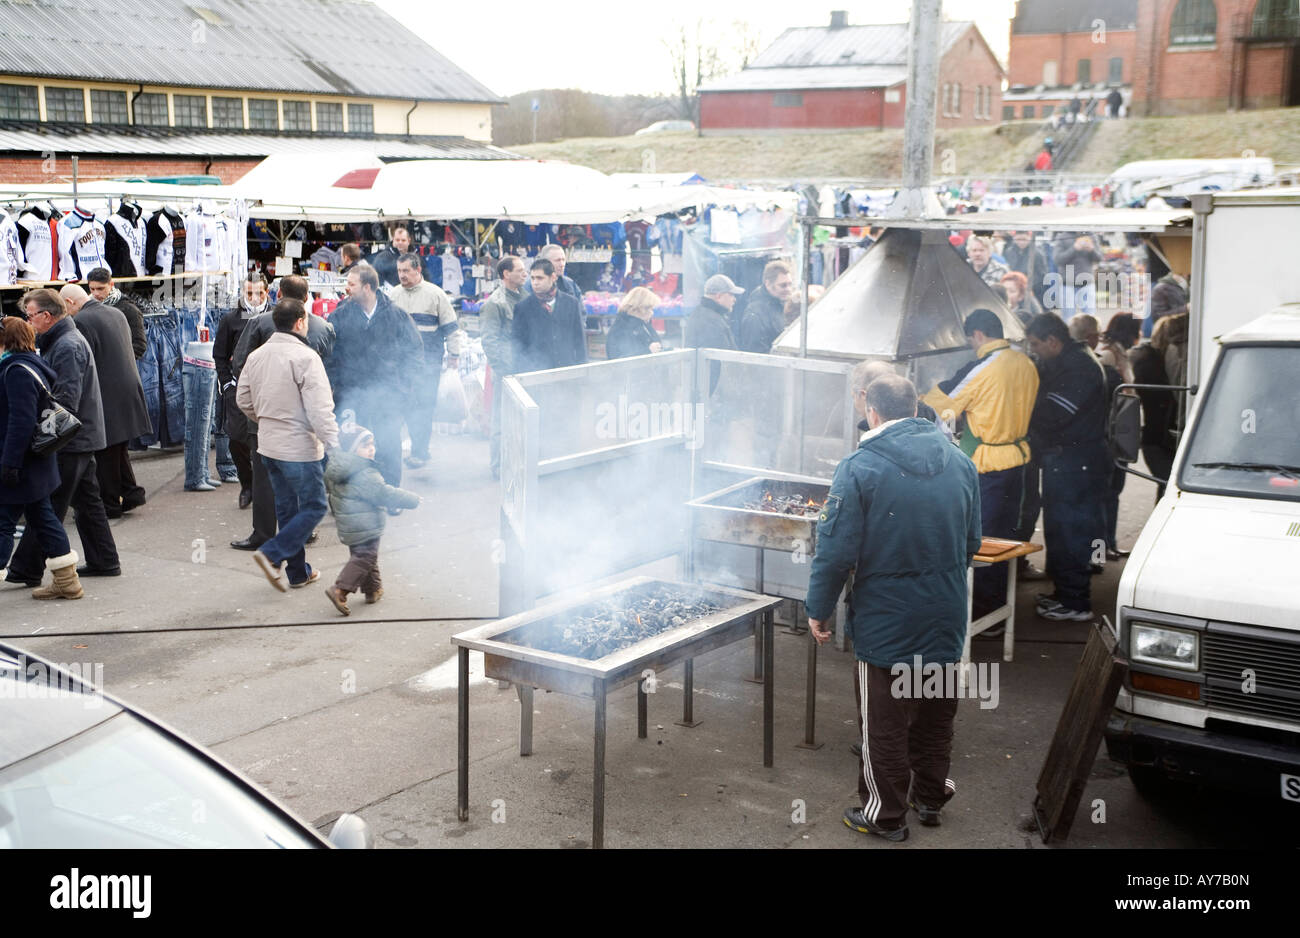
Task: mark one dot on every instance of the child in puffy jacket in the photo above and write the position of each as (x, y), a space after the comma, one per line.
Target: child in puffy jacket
(359, 500)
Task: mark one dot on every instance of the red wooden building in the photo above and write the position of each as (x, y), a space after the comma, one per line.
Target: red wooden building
(842, 77)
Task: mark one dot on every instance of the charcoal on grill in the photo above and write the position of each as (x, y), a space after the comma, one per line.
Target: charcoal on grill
(795, 504)
(608, 626)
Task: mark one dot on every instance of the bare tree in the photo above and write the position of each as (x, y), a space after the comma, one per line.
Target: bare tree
(696, 57)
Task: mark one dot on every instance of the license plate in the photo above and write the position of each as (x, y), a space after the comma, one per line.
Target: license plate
(1291, 787)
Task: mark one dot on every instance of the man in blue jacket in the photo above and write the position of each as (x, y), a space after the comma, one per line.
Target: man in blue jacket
(548, 325)
(904, 515)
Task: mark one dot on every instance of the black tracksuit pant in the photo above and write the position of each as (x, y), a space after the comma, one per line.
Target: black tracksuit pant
(78, 490)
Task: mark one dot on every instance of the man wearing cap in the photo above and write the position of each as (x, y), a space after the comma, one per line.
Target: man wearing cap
(708, 325)
(996, 394)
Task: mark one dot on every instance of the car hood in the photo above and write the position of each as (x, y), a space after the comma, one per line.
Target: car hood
(40, 708)
(1228, 559)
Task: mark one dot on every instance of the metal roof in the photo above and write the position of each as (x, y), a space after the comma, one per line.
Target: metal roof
(80, 139)
(1070, 16)
(777, 79)
(887, 44)
(347, 47)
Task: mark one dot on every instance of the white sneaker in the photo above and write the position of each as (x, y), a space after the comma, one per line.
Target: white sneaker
(1059, 613)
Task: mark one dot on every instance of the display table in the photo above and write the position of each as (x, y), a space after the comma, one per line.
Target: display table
(996, 550)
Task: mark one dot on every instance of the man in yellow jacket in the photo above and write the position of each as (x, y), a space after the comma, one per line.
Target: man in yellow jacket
(996, 392)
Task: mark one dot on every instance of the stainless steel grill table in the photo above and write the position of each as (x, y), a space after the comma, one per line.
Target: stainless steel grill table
(507, 657)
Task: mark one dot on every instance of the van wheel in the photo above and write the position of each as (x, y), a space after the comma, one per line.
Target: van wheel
(1155, 785)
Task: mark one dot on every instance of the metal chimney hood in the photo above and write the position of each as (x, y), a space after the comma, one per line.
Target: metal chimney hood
(906, 298)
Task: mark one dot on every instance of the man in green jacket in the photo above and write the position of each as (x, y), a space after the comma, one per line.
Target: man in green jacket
(496, 325)
(904, 515)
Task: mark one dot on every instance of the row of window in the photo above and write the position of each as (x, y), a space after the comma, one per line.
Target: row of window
(1195, 22)
(1083, 72)
(19, 102)
(950, 101)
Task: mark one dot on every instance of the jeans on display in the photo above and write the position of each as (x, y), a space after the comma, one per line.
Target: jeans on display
(50, 536)
(160, 375)
(200, 377)
(300, 505)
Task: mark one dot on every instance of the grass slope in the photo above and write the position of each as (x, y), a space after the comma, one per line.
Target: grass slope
(967, 151)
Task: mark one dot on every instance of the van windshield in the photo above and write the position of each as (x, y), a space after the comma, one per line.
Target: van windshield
(1247, 438)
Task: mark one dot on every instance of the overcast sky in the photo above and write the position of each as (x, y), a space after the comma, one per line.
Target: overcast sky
(618, 47)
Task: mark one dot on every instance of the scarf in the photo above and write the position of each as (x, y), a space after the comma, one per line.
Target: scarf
(114, 295)
(249, 312)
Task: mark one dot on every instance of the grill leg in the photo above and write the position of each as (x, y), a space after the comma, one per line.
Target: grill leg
(462, 736)
(758, 634)
(525, 692)
(642, 700)
(810, 698)
(688, 696)
(598, 778)
(768, 687)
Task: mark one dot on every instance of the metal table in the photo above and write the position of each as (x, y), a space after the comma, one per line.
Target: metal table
(722, 516)
(743, 614)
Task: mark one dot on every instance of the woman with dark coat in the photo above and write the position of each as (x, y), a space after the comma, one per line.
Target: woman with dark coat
(26, 480)
(631, 334)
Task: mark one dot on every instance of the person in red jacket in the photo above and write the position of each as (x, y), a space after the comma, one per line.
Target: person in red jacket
(1043, 163)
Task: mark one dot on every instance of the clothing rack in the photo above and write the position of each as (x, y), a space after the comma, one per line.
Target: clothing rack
(184, 275)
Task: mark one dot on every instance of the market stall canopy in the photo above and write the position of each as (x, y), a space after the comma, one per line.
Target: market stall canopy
(907, 297)
(1055, 218)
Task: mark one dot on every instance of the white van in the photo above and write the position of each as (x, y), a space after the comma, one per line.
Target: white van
(1209, 603)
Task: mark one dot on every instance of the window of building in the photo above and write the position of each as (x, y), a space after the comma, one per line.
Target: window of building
(1008, 112)
(956, 100)
(263, 114)
(1194, 23)
(1048, 109)
(944, 100)
(1027, 111)
(1050, 73)
(297, 115)
(787, 99)
(361, 118)
(1084, 75)
(1115, 75)
(108, 107)
(190, 110)
(65, 104)
(19, 103)
(329, 117)
(228, 113)
(1276, 19)
(893, 96)
(150, 109)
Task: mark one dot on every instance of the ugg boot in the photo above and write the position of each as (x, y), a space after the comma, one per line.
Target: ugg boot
(65, 585)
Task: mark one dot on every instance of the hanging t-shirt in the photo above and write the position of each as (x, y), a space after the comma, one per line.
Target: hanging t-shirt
(452, 279)
(11, 250)
(636, 236)
(202, 242)
(124, 239)
(81, 244)
(164, 246)
(38, 233)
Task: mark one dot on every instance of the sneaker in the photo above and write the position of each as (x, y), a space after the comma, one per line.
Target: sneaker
(1059, 613)
(272, 571)
(414, 462)
(930, 815)
(201, 487)
(855, 819)
(1046, 600)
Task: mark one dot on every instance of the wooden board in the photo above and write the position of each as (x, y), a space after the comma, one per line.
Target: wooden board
(997, 550)
(1078, 734)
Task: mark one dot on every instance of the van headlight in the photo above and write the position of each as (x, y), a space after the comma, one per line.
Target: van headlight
(1163, 646)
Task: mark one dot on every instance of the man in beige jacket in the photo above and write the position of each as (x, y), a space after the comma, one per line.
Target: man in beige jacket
(283, 386)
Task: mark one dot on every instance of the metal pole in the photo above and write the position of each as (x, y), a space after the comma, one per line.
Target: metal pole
(810, 698)
(598, 779)
(769, 619)
(525, 692)
(462, 734)
(803, 300)
(915, 200)
(642, 716)
(688, 696)
(757, 677)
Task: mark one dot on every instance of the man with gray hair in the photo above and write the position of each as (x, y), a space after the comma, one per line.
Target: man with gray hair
(904, 515)
(555, 254)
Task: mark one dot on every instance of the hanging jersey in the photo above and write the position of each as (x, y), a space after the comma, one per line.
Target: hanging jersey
(36, 235)
(164, 245)
(124, 241)
(81, 245)
(202, 242)
(11, 250)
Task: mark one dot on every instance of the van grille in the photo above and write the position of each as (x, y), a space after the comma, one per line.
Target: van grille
(1276, 666)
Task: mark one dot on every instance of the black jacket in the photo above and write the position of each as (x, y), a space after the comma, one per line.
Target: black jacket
(382, 355)
(385, 263)
(1070, 411)
(764, 319)
(125, 412)
(707, 327)
(320, 336)
(1157, 406)
(629, 336)
(224, 343)
(134, 321)
(21, 401)
(549, 340)
(76, 382)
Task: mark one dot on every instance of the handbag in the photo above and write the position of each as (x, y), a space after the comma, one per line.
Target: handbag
(55, 424)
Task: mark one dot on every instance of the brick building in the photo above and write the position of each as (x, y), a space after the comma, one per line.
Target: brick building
(164, 88)
(842, 77)
(1062, 50)
(1215, 55)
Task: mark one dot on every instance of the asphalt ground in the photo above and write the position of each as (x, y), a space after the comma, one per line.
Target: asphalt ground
(358, 714)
